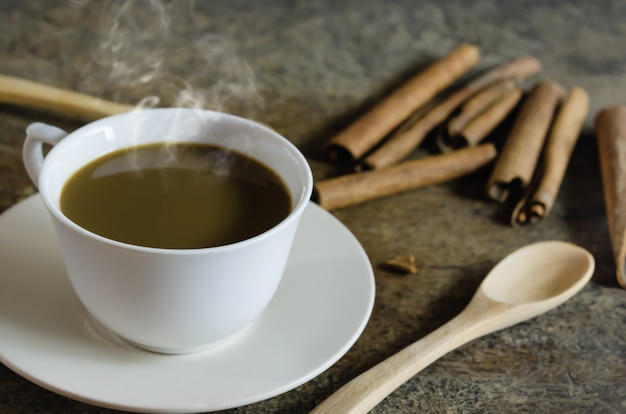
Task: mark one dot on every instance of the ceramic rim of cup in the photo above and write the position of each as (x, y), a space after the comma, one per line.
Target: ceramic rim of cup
(298, 204)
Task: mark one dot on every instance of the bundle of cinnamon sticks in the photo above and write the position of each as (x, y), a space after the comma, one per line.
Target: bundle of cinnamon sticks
(535, 156)
(378, 143)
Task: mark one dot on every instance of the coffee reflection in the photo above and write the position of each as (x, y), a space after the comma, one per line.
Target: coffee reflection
(176, 196)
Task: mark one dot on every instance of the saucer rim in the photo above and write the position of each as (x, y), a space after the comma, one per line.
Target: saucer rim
(312, 213)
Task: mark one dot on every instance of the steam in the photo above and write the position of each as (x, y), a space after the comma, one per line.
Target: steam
(152, 53)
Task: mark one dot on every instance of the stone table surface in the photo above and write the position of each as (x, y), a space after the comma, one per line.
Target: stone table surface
(308, 69)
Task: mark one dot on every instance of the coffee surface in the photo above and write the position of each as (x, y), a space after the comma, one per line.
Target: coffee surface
(178, 196)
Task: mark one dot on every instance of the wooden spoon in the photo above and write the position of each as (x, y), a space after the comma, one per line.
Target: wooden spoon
(28, 93)
(526, 283)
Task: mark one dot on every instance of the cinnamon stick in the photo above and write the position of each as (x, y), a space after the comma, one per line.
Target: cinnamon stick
(400, 144)
(358, 187)
(367, 131)
(610, 124)
(518, 68)
(537, 204)
(516, 164)
(479, 127)
(477, 104)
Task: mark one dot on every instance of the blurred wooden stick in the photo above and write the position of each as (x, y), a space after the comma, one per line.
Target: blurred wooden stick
(22, 92)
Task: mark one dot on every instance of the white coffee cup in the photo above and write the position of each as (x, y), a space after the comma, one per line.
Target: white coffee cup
(169, 300)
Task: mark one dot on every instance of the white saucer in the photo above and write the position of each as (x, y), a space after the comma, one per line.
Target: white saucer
(319, 311)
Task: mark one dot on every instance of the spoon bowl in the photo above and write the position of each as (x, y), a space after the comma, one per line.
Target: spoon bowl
(528, 282)
(558, 268)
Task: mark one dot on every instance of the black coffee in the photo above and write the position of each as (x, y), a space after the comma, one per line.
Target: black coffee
(178, 196)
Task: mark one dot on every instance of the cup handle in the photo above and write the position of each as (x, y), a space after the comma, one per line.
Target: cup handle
(38, 134)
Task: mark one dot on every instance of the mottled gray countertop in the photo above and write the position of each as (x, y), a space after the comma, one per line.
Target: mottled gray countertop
(309, 68)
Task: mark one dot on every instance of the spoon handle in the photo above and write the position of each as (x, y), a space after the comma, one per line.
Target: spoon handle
(365, 391)
(28, 93)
